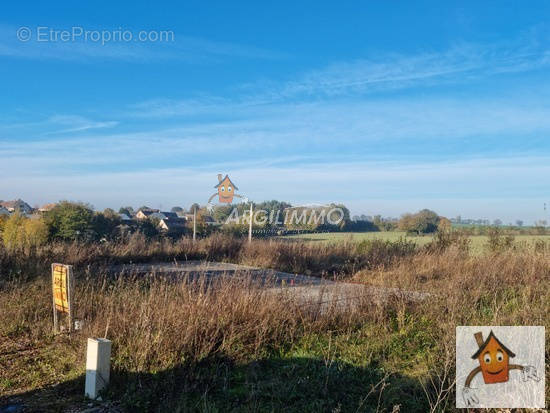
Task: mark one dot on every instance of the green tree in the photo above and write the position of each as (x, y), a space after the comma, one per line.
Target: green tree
(70, 221)
(222, 212)
(148, 228)
(178, 210)
(423, 222)
(193, 207)
(126, 210)
(104, 223)
(406, 222)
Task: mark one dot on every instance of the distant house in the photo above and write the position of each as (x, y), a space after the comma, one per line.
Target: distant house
(174, 226)
(208, 220)
(157, 215)
(17, 205)
(125, 217)
(4, 211)
(46, 207)
(145, 213)
(170, 215)
(160, 215)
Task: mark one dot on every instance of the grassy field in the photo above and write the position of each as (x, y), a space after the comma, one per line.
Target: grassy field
(478, 242)
(182, 347)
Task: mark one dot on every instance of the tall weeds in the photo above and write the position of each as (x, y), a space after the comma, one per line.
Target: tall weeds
(291, 256)
(157, 324)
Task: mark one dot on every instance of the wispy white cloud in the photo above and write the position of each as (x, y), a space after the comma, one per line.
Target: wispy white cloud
(75, 123)
(358, 78)
(163, 108)
(55, 125)
(387, 127)
(398, 71)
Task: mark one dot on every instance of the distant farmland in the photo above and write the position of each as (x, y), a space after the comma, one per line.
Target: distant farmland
(478, 242)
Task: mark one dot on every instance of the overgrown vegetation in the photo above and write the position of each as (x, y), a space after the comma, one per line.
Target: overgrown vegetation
(333, 261)
(235, 347)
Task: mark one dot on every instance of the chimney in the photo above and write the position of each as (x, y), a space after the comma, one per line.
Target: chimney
(479, 338)
(219, 177)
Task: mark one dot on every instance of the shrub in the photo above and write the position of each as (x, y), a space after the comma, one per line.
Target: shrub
(14, 232)
(36, 232)
(497, 242)
(445, 239)
(23, 233)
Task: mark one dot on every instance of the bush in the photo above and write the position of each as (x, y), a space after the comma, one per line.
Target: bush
(23, 233)
(36, 232)
(497, 242)
(423, 222)
(444, 239)
(14, 232)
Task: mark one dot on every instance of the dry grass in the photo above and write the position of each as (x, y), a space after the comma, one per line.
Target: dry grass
(227, 346)
(295, 257)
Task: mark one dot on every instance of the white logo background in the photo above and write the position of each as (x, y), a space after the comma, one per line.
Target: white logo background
(520, 391)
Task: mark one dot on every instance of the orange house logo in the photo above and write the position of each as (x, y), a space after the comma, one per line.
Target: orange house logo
(225, 191)
(493, 357)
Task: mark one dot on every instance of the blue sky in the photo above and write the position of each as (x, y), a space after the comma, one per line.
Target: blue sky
(388, 107)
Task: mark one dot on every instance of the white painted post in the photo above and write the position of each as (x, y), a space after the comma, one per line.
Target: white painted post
(194, 224)
(98, 365)
(250, 225)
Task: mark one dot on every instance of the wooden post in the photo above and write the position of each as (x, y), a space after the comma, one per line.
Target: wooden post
(250, 225)
(70, 296)
(194, 223)
(64, 286)
(98, 365)
(55, 326)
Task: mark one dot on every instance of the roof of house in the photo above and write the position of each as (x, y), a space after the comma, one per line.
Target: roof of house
(482, 347)
(4, 211)
(125, 217)
(16, 204)
(170, 215)
(227, 177)
(173, 224)
(163, 215)
(158, 215)
(147, 212)
(47, 207)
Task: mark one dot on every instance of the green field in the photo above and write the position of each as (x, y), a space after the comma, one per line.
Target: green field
(478, 242)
